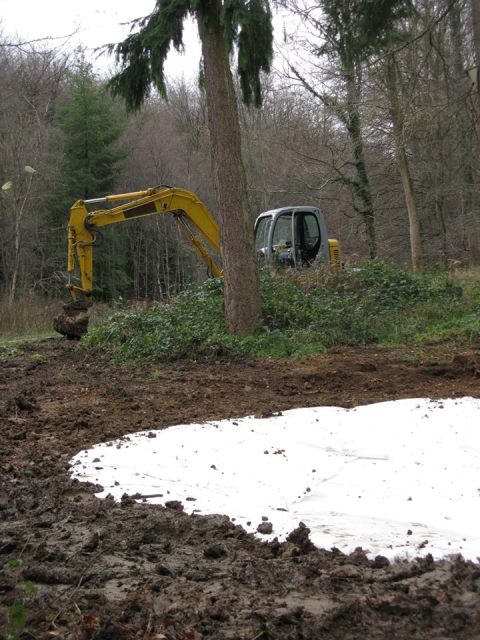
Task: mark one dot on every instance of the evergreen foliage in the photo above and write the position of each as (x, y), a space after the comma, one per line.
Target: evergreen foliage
(142, 56)
(91, 124)
(247, 24)
(303, 314)
(356, 29)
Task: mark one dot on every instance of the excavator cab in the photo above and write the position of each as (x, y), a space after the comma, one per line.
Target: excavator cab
(292, 237)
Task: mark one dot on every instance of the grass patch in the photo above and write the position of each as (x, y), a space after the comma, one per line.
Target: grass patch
(15, 347)
(30, 318)
(304, 314)
(159, 374)
(7, 352)
(27, 316)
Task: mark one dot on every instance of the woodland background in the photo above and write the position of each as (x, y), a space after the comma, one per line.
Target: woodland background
(62, 137)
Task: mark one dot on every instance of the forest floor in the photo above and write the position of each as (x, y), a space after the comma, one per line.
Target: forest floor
(79, 568)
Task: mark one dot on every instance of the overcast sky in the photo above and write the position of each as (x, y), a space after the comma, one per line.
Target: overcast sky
(89, 23)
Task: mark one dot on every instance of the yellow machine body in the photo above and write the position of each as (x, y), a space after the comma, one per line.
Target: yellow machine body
(291, 236)
(193, 218)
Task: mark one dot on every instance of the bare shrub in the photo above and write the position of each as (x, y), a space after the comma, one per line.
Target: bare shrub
(27, 315)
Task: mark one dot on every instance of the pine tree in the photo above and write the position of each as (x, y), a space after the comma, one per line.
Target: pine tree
(222, 24)
(90, 123)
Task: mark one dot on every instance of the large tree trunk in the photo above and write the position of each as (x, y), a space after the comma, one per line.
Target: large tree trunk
(396, 115)
(242, 286)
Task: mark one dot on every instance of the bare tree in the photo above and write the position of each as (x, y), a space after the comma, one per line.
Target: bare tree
(396, 110)
(30, 85)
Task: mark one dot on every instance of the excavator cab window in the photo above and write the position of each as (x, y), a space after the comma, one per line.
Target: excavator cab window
(296, 238)
(307, 238)
(262, 231)
(282, 240)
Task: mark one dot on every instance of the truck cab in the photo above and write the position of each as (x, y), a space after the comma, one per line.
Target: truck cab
(294, 237)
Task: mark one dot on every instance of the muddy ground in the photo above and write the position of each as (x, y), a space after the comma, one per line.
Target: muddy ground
(75, 567)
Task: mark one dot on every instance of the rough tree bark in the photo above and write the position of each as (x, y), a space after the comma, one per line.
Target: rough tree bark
(242, 294)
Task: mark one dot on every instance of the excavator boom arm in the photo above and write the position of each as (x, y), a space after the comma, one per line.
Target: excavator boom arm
(193, 218)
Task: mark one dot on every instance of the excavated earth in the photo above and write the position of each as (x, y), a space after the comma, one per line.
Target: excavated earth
(79, 568)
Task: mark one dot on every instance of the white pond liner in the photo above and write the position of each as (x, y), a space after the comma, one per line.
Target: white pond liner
(400, 478)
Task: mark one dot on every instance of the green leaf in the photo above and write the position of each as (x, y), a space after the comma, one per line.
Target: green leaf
(15, 563)
(7, 185)
(31, 587)
(18, 615)
(30, 170)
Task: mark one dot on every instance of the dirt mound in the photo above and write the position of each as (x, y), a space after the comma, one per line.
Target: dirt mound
(77, 568)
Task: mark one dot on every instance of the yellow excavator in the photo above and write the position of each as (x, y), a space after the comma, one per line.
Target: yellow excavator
(290, 236)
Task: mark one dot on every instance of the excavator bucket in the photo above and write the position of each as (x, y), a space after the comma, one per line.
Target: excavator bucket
(73, 322)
